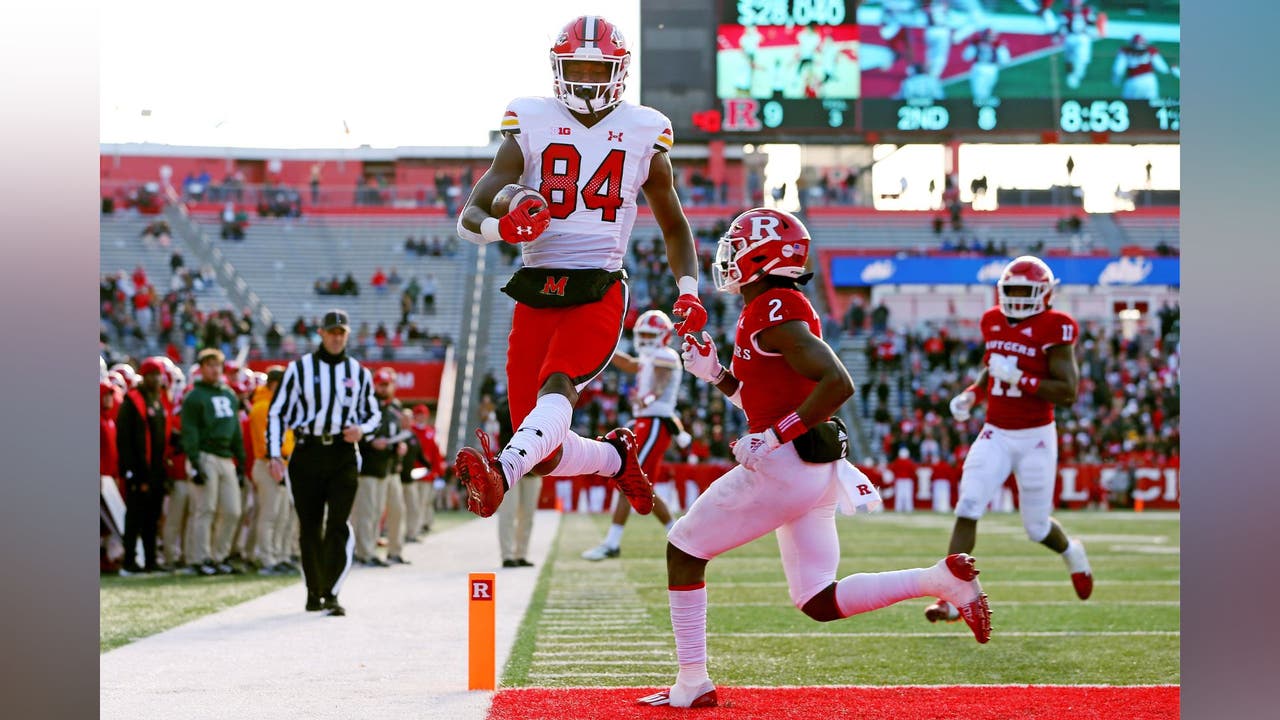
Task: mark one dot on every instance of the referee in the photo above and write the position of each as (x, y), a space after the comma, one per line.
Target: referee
(327, 399)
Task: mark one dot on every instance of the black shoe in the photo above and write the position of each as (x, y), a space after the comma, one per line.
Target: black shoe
(207, 569)
(130, 571)
(510, 563)
(156, 568)
(332, 608)
(396, 559)
(521, 562)
(313, 603)
(376, 561)
(225, 569)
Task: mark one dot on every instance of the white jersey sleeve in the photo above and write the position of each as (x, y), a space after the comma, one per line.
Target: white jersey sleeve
(664, 405)
(591, 177)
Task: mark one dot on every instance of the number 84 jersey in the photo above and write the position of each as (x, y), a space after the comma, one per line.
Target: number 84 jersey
(1027, 341)
(589, 176)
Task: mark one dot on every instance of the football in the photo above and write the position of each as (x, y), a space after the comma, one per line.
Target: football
(511, 196)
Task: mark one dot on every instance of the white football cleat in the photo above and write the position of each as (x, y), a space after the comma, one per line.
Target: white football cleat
(958, 584)
(702, 696)
(600, 552)
(1078, 563)
(941, 611)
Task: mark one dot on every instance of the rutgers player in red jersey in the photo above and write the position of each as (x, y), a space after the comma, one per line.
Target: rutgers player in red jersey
(793, 473)
(1030, 367)
(589, 154)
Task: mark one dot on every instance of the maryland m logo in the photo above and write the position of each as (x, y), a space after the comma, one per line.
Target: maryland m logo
(555, 286)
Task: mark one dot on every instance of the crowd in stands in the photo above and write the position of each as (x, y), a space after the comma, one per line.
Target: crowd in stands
(1127, 410)
(431, 246)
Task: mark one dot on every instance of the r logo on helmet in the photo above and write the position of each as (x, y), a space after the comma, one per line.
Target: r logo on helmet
(761, 224)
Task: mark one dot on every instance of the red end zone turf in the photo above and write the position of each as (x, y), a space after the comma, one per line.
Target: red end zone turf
(971, 702)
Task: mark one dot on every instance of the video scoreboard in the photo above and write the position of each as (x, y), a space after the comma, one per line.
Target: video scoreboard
(795, 69)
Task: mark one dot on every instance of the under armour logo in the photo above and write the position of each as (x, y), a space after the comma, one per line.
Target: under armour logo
(1026, 331)
(524, 229)
(555, 286)
(1040, 445)
(615, 136)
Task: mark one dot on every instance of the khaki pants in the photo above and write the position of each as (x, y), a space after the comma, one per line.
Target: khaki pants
(366, 512)
(427, 498)
(272, 520)
(395, 514)
(217, 509)
(412, 509)
(247, 530)
(179, 522)
(515, 517)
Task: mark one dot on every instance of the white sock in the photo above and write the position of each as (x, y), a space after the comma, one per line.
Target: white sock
(614, 538)
(864, 592)
(580, 456)
(689, 621)
(1075, 558)
(540, 433)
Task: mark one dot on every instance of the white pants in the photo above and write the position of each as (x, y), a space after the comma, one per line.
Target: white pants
(1031, 455)
(982, 80)
(786, 495)
(1077, 50)
(1140, 87)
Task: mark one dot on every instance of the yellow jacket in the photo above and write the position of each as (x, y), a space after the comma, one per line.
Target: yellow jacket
(258, 425)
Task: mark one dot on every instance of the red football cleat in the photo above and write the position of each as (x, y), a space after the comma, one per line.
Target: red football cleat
(631, 480)
(482, 477)
(1083, 583)
(704, 699)
(967, 596)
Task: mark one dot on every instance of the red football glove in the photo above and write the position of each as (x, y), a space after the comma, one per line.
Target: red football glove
(693, 316)
(525, 222)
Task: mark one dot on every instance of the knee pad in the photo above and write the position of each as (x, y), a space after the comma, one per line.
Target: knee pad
(1037, 530)
(822, 607)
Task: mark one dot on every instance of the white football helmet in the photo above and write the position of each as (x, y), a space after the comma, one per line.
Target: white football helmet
(1031, 272)
(653, 330)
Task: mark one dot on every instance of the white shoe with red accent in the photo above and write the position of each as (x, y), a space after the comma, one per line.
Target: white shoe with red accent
(1078, 563)
(956, 581)
(703, 695)
(941, 611)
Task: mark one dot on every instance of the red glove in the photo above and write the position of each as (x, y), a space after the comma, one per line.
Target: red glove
(693, 316)
(525, 222)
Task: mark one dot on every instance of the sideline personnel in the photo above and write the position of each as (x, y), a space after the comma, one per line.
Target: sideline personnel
(327, 399)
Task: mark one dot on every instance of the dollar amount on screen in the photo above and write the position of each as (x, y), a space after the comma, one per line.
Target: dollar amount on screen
(927, 117)
(791, 12)
(1098, 116)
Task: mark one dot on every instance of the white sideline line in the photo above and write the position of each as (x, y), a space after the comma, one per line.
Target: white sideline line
(621, 663)
(553, 676)
(602, 653)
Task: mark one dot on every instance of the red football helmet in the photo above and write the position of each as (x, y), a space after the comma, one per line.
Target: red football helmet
(590, 38)
(652, 330)
(760, 242)
(1025, 272)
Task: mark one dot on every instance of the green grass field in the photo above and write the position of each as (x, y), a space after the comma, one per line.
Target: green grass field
(1031, 79)
(607, 623)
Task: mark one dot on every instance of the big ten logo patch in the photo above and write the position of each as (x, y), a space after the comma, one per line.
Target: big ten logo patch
(555, 286)
(481, 590)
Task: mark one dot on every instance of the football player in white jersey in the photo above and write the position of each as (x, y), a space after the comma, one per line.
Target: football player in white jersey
(1080, 25)
(1135, 68)
(657, 368)
(588, 154)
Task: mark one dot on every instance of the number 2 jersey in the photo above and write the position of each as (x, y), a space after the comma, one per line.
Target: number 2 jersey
(590, 177)
(771, 389)
(1028, 341)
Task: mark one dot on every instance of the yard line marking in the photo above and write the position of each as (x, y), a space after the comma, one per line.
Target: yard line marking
(1041, 633)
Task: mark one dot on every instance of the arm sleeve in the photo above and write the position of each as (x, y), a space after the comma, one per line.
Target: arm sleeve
(191, 426)
(367, 410)
(281, 402)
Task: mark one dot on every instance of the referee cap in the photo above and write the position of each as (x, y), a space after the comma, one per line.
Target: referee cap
(334, 319)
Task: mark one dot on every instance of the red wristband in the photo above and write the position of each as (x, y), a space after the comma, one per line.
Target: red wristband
(789, 428)
(979, 392)
(1029, 382)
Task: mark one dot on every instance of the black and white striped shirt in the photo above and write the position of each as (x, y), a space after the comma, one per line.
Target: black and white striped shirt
(317, 397)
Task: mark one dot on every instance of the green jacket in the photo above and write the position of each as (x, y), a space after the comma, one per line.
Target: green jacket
(211, 422)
